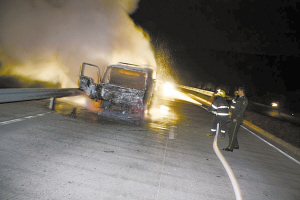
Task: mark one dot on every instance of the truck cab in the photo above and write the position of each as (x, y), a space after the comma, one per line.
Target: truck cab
(125, 90)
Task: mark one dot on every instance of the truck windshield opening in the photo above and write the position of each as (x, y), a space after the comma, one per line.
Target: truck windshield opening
(126, 78)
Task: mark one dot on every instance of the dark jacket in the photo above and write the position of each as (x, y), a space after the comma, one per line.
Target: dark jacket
(240, 106)
(220, 105)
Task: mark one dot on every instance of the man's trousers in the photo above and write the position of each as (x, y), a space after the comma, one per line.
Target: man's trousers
(219, 119)
(232, 132)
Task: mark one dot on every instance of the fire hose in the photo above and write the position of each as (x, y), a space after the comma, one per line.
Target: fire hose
(228, 169)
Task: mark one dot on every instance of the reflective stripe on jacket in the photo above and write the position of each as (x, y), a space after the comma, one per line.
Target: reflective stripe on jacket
(220, 105)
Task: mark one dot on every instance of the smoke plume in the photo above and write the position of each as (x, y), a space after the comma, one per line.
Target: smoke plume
(47, 40)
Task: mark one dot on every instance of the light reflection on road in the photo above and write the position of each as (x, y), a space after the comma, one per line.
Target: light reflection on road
(161, 117)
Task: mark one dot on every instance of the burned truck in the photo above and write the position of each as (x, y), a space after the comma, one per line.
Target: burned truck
(124, 90)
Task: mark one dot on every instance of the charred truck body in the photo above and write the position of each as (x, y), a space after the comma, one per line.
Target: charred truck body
(125, 90)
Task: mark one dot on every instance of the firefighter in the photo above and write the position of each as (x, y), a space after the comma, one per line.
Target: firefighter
(220, 108)
(237, 119)
(214, 96)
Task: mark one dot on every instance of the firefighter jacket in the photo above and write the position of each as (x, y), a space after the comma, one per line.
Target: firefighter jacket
(240, 106)
(220, 106)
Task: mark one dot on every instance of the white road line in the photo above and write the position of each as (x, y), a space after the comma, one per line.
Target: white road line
(290, 157)
(11, 121)
(29, 117)
(22, 119)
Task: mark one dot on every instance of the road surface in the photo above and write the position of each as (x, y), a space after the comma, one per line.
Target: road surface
(51, 155)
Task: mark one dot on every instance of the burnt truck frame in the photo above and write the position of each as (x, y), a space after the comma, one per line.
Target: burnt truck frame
(125, 90)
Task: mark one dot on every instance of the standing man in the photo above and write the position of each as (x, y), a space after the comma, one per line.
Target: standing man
(220, 108)
(233, 102)
(237, 119)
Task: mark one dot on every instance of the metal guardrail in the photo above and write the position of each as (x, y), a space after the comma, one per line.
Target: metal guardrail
(208, 93)
(26, 94)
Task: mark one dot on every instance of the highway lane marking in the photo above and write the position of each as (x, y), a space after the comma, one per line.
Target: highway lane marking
(285, 154)
(22, 119)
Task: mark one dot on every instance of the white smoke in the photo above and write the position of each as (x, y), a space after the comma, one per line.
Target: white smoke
(49, 39)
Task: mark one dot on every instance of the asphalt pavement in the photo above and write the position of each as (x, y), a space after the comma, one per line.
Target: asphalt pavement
(54, 155)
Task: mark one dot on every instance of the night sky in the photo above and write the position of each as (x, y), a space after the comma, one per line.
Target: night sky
(229, 43)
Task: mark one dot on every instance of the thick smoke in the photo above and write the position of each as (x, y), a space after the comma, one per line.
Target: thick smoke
(48, 40)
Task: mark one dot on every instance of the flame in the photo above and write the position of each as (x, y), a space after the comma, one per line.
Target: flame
(84, 101)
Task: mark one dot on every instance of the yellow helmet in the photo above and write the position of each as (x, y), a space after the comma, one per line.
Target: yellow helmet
(221, 93)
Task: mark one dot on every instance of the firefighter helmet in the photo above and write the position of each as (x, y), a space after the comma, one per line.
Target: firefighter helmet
(221, 93)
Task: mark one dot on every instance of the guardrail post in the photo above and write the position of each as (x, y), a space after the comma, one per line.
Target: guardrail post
(52, 103)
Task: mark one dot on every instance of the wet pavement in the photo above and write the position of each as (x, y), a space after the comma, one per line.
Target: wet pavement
(55, 155)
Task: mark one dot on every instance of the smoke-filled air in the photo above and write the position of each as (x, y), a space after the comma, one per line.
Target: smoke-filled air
(47, 40)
